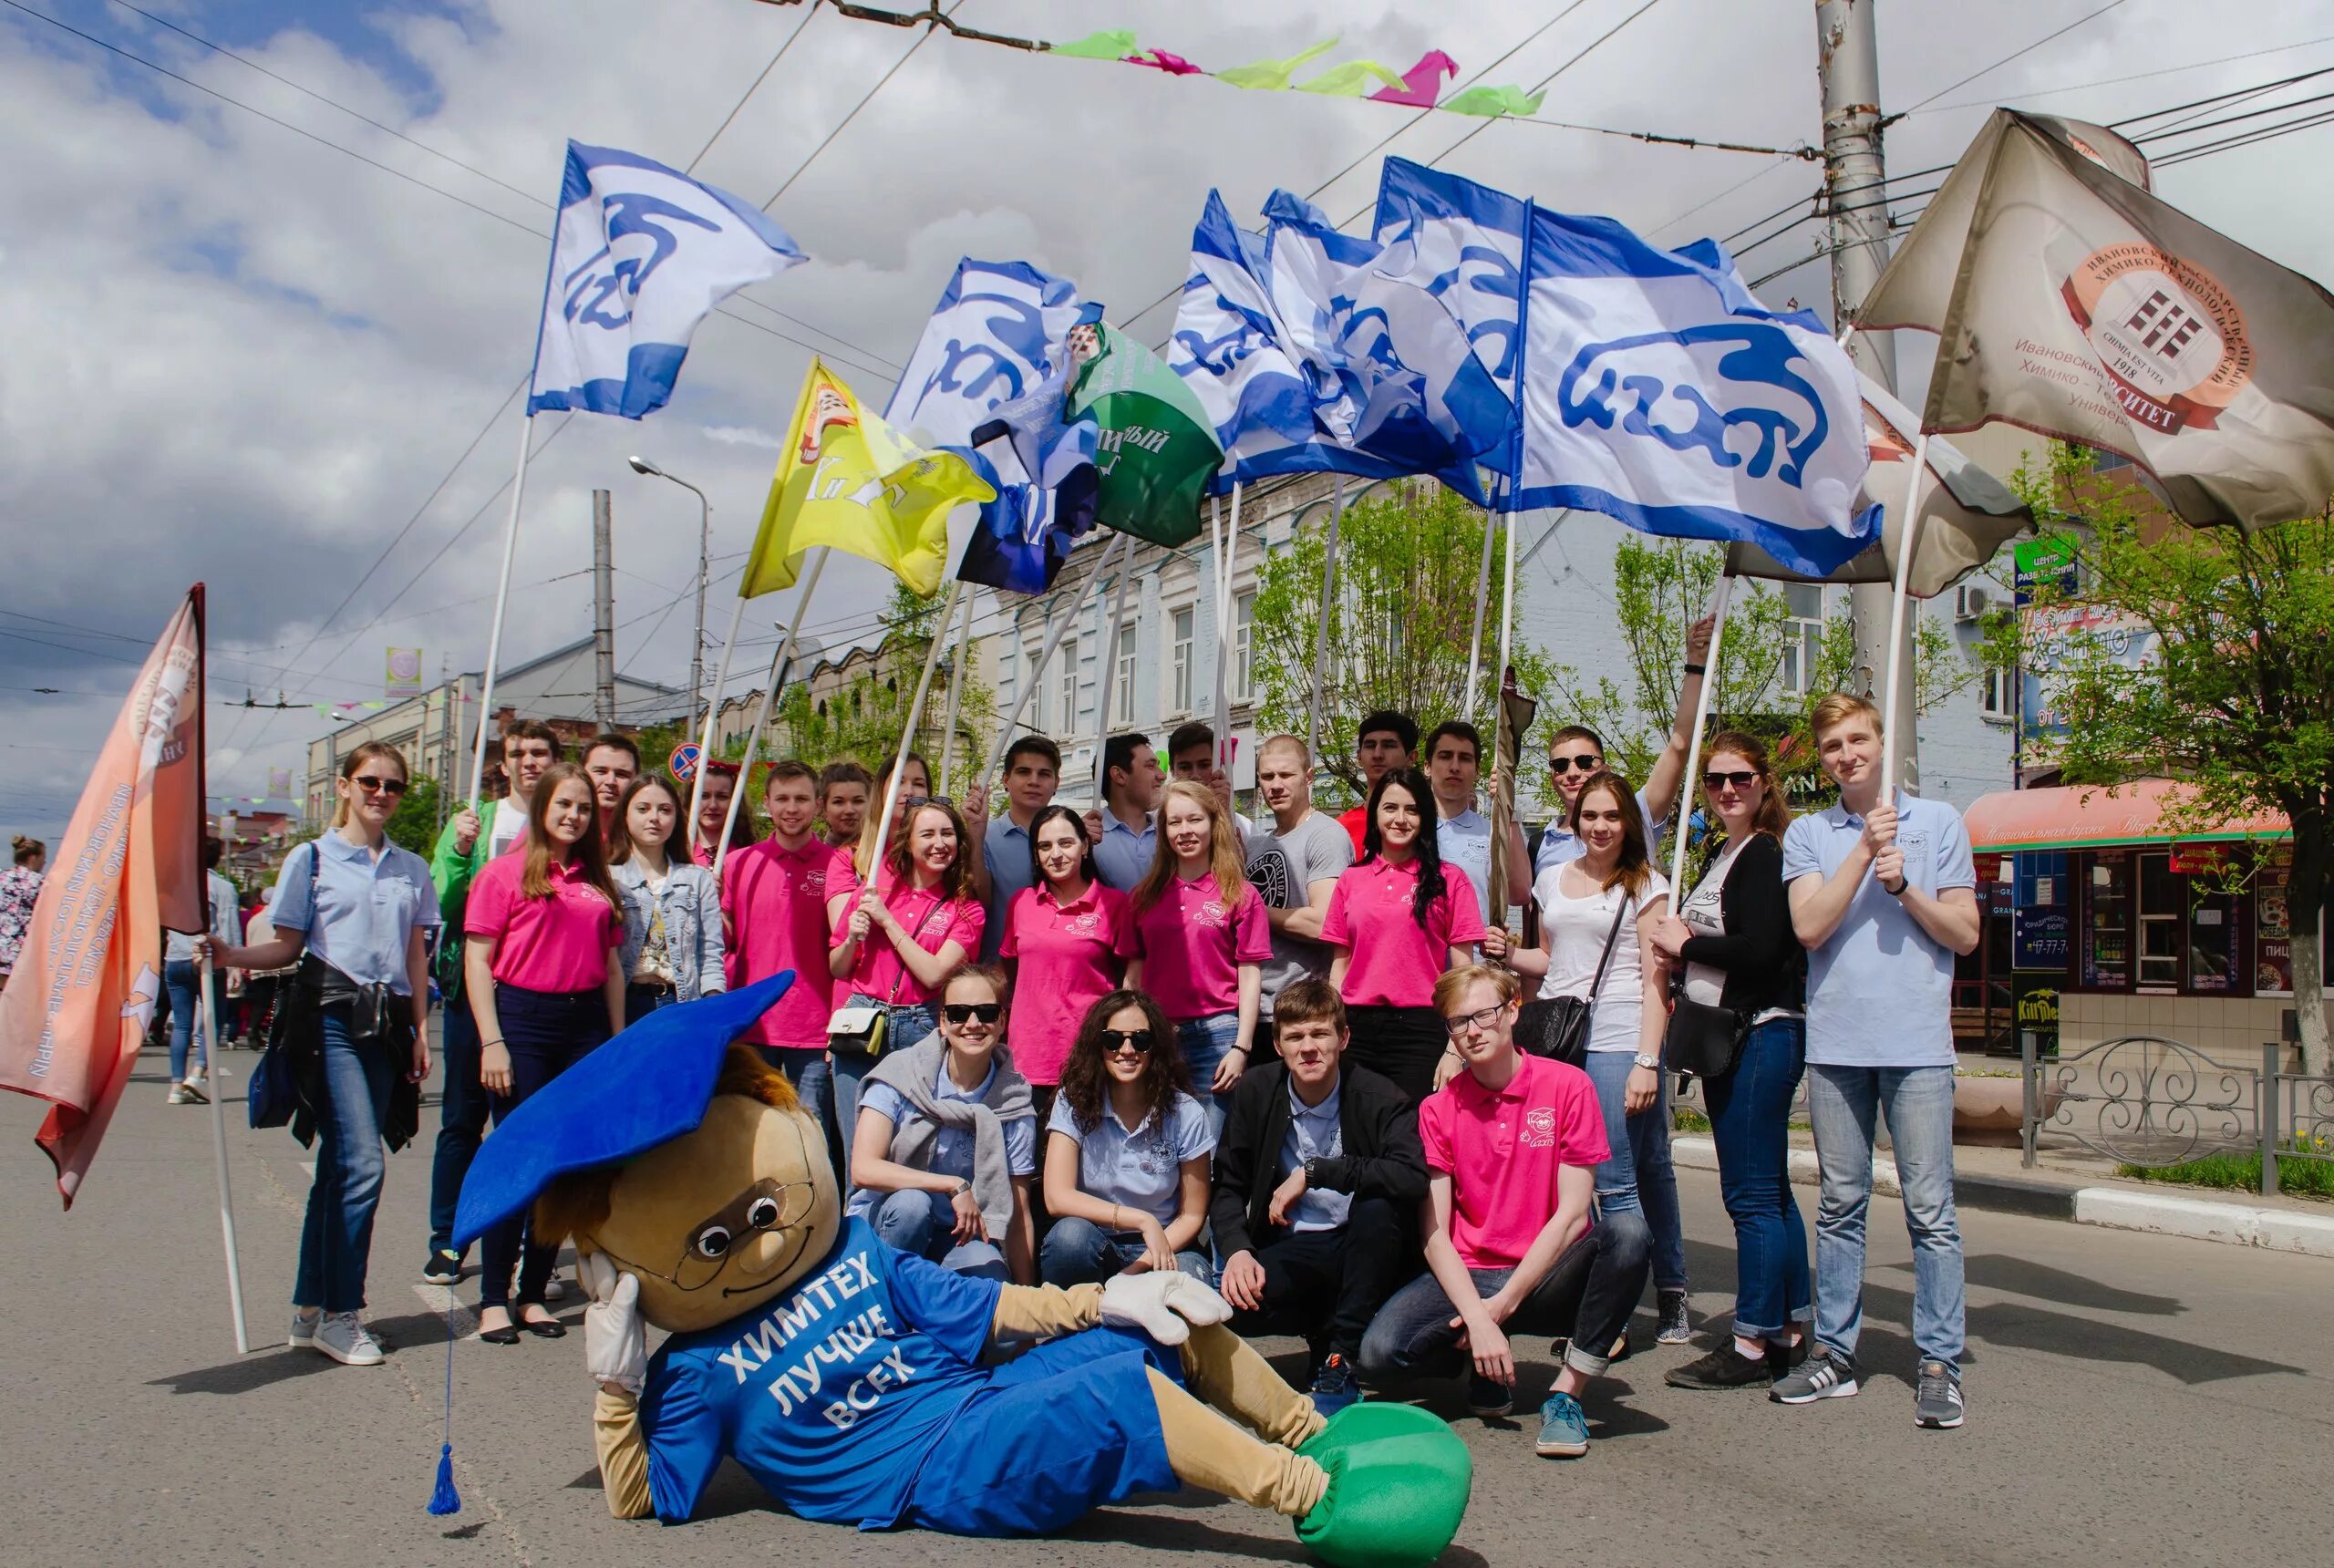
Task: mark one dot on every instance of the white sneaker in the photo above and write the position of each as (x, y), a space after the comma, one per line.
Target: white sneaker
(193, 1092)
(341, 1336)
(554, 1290)
(177, 1095)
(304, 1329)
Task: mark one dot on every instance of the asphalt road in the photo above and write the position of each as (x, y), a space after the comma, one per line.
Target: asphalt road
(2133, 1400)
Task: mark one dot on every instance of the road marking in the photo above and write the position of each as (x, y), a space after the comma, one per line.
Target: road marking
(440, 1299)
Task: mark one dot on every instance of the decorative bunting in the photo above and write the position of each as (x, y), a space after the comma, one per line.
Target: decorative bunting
(1422, 82)
(1352, 79)
(1274, 75)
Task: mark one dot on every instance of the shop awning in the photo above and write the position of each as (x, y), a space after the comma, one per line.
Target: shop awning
(2084, 817)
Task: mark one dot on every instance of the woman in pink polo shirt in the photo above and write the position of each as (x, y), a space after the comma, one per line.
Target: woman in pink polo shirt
(1201, 940)
(544, 970)
(1066, 946)
(1400, 917)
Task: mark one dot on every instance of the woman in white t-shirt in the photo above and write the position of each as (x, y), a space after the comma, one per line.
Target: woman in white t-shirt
(1579, 901)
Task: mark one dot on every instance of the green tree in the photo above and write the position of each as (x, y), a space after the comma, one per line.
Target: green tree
(1405, 605)
(863, 719)
(2238, 699)
(414, 825)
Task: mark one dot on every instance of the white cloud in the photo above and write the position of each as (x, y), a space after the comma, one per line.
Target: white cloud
(743, 436)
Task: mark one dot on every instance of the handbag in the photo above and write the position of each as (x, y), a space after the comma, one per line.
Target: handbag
(1702, 1041)
(273, 1092)
(856, 1029)
(1556, 1027)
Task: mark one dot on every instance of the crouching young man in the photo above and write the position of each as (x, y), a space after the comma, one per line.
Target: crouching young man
(1317, 1177)
(1511, 1148)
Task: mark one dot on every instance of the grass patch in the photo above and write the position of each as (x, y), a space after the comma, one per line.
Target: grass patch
(1686, 1118)
(2241, 1172)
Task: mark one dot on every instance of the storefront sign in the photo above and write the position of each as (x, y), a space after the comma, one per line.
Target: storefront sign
(2040, 923)
(2273, 958)
(2038, 1011)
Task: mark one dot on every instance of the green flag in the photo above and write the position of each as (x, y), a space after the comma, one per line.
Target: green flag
(1157, 451)
(1492, 102)
(1113, 43)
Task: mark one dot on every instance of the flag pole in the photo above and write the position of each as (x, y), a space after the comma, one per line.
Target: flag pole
(1109, 676)
(705, 745)
(770, 698)
(501, 601)
(1475, 635)
(207, 1022)
(1226, 553)
(1909, 538)
(1719, 597)
(1054, 630)
(1321, 631)
(955, 691)
(907, 731)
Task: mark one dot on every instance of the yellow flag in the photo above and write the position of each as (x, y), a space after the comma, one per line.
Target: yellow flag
(851, 481)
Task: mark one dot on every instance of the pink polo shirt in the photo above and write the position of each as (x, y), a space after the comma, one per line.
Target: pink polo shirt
(1395, 963)
(776, 903)
(558, 943)
(1502, 1149)
(1191, 946)
(1070, 956)
(933, 921)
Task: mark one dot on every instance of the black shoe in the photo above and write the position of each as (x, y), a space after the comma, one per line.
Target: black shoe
(1724, 1367)
(1782, 1358)
(506, 1334)
(545, 1327)
(444, 1267)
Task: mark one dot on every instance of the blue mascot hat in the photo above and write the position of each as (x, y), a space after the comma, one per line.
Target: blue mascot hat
(648, 1086)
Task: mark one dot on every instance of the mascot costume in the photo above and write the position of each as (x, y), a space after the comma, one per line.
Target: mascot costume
(866, 1386)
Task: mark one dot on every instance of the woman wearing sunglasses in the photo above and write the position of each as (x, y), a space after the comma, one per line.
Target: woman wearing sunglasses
(1736, 942)
(1127, 1152)
(946, 1142)
(672, 911)
(542, 969)
(351, 914)
(1066, 942)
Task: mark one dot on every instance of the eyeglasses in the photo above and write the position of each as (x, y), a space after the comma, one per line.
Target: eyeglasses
(1565, 764)
(1486, 1019)
(966, 1012)
(1117, 1040)
(1715, 780)
(377, 786)
(768, 1204)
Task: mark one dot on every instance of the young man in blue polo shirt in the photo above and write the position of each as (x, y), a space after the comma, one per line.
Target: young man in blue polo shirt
(1032, 773)
(1882, 897)
(1131, 779)
(1454, 765)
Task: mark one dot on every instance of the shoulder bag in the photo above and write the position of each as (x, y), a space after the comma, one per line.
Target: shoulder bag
(1702, 1040)
(273, 1091)
(856, 1029)
(1556, 1027)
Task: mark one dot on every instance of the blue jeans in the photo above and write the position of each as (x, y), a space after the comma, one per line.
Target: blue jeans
(185, 984)
(1585, 1298)
(1919, 1103)
(925, 1223)
(1203, 1043)
(1637, 1177)
(1750, 1122)
(336, 1238)
(461, 1119)
(1079, 1252)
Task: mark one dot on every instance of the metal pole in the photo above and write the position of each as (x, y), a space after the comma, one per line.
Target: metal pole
(213, 1056)
(1702, 701)
(1854, 167)
(1110, 646)
(1056, 628)
(1899, 667)
(2031, 1118)
(1475, 633)
(956, 668)
(907, 730)
(1321, 631)
(770, 701)
(704, 571)
(1225, 555)
(603, 610)
(447, 744)
(2269, 1065)
(720, 682)
(501, 601)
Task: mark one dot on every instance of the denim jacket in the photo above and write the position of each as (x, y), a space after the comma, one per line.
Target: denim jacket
(692, 908)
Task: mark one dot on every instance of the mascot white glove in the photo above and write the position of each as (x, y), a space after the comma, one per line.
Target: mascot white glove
(1163, 1304)
(615, 1344)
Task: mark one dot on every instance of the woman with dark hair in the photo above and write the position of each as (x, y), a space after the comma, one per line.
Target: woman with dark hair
(544, 970)
(1611, 897)
(354, 914)
(1399, 918)
(713, 809)
(1733, 934)
(1127, 1152)
(672, 911)
(19, 887)
(1066, 942)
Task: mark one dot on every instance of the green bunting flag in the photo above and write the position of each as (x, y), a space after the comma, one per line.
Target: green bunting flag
(1272, 76)
(1156, 452)
(1354, 78)
(1112, 44)
(1492, 102)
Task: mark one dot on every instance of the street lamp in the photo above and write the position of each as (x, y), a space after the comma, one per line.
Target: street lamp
(647, 469)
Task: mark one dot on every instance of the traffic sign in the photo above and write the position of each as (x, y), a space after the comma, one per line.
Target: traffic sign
(683, 762)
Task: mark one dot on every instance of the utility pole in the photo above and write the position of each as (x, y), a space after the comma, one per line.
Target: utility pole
(603, 609)
(1848, 64)
(449, 694)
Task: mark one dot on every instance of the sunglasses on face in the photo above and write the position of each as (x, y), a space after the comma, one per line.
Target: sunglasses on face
(1487, 1018)
(1741, 780)
(1566, 764)
(1117, 1040)
(375, 786)
(966, 1012)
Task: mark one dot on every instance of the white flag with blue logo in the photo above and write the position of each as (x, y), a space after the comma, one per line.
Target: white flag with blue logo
(639, 255)
(1654, 387)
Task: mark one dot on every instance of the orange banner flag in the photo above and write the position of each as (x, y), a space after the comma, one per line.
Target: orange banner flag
(83, 992)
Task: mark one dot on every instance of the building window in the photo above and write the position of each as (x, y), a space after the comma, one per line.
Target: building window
(1997, 692)
(1244, 638)
(1066, 697)
(1802, 635)
(1179, 660)
(2162, 918)
(1124, 678)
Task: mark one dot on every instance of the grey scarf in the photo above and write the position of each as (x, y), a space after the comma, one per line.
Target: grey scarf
(913, 1075)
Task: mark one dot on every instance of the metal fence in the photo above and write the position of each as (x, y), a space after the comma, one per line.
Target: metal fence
(2146, 1101)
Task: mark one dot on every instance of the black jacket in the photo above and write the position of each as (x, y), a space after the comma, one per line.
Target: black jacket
(1378, 1131)
(1761, 955)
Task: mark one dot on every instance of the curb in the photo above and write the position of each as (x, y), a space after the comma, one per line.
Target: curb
(2113, 1208)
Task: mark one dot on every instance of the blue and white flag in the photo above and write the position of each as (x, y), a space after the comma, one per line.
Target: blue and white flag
(639, 255)
(1654, 387)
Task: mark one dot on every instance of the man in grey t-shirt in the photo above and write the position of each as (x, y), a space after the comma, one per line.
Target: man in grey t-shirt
(1294, 864)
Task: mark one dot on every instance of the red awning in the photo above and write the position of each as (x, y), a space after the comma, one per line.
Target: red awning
(2088, 817)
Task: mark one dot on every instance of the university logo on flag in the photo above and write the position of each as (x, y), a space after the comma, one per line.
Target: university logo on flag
(639, 255)
(402, 676)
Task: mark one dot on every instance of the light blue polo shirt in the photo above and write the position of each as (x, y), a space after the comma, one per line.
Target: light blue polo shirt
(366, 909)
(1142, 1169)
(1880, 992)
(1560, 843)
(1465, 842)
(1004, 849)
(951, 1147)
(1314, 1134)
(1124, 855)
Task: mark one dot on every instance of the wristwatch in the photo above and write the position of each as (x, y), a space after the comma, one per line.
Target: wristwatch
(960, 1189)
(1651, 1063)
(1312, 1172)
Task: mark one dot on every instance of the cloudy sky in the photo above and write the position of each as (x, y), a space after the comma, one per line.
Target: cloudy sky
(248, 350)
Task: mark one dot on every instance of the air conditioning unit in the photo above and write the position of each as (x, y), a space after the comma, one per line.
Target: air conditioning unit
(1971, 601)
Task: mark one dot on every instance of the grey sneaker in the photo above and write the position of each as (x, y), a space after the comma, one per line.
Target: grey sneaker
(344, 1338)
(1938, 1404)
(1670, 1309)
(1824, 1375)
(304, 1329)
